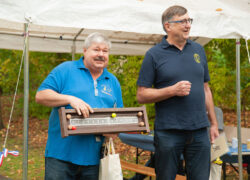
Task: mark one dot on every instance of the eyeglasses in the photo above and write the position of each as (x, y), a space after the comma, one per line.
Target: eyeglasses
(183, 22)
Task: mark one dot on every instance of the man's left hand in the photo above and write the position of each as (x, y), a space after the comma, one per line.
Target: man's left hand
(214, 133)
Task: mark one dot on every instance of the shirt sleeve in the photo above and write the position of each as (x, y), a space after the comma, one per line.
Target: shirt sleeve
(206, 72)
(118, 94)
(147, 72)
(55, 79)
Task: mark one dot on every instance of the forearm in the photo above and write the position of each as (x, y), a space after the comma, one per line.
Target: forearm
(152, 95)
(51, 98)
(214, 132)
(210, 105)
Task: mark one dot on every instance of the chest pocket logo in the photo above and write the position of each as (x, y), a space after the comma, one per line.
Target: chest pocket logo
(106, 90)
(197, 58)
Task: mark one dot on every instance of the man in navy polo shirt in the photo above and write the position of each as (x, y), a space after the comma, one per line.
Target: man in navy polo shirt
(83, 84)
(174, 75)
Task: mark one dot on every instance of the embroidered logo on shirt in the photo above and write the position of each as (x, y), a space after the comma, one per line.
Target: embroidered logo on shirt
(197, 58)
(106, 90)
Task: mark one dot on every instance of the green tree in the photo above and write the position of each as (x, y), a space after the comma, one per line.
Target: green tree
(40, 64)
(126, 69)
(221, 55)
(221, 62)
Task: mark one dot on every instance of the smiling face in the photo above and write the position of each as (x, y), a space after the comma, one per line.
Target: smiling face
(96, 57)
(178, 32)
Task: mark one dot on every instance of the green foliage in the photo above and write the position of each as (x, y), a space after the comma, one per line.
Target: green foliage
(40, 64)
(126, 69)
(221, 55)
(221, 62)
(9, 67)
(218, 78)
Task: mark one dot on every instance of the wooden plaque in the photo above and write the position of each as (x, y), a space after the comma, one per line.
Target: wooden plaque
(104, 120)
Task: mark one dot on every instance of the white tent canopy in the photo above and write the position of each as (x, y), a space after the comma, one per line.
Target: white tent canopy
(132, 25)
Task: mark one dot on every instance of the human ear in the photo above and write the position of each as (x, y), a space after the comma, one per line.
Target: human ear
(167, 26)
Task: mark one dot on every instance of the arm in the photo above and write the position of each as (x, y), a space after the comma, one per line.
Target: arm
(51, 98)
(211, 113)
(151, 95)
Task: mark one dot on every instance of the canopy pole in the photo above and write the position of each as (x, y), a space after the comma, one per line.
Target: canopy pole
(74, 44)
(26, 102)
(238, 108)
(73, 48)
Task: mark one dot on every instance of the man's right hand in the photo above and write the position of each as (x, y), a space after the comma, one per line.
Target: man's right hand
(81, 107)
(51, 98)
(182, 88)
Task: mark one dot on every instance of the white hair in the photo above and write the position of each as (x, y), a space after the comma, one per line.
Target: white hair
(96, 37)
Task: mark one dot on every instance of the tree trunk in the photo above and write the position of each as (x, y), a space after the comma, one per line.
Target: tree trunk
(1, 119)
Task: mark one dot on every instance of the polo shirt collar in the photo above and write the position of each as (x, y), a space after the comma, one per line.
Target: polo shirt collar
(164, 43)
(81, 65)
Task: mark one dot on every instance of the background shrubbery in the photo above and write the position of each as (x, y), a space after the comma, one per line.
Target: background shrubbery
(221, 62)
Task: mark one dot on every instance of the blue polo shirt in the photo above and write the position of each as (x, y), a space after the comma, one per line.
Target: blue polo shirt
(73, 78)
(164, 65)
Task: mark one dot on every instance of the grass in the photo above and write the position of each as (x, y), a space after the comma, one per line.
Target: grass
(12, 165)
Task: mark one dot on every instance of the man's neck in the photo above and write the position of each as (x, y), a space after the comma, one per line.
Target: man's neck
(95, 74)
(179, 44)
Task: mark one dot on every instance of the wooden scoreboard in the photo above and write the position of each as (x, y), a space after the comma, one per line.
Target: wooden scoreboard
(104, 120)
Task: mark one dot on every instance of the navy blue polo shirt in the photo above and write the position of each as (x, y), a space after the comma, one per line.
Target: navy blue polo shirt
(164, 65)
(73, 78)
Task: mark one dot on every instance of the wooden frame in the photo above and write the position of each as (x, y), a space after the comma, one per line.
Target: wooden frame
(139, 113)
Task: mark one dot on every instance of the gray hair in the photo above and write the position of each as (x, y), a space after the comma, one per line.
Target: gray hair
(96, 37)
(172, 11)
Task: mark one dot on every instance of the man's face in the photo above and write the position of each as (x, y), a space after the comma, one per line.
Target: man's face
(96, 56)
(179, 31)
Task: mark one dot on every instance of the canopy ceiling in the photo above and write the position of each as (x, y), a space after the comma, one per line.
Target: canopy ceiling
(132, 25)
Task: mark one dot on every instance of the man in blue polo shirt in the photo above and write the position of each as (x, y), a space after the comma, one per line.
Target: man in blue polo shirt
(174, 75)
(83, 84)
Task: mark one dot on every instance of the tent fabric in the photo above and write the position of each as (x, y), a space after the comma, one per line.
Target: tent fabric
(132, 25)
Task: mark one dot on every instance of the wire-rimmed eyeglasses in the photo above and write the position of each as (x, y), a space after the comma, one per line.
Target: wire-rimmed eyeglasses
(183, 22)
